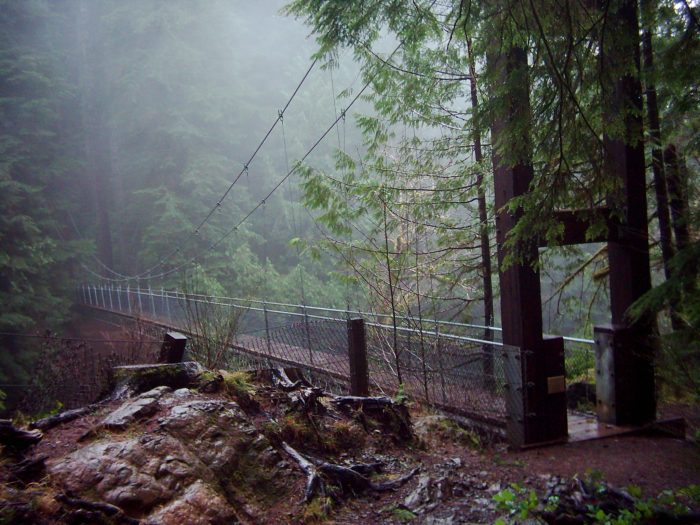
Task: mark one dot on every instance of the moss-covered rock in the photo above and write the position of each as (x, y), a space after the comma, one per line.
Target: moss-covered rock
(136, 379)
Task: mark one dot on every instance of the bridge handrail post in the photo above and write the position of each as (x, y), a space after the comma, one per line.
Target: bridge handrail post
(357, 357)
(441, 368)
(119, 297)
(153, 301)
(102, 293)
(165, 297)
(138, 295)
(111, 303)
(267, 327)
(308, 334)
(128, 297)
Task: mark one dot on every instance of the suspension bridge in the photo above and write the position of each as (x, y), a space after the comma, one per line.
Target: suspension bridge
(460, 367)
(515, 377)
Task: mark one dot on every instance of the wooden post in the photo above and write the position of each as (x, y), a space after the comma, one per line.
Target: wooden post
(173, 348)
(167, 304)
(357, 350)
(438, 349)
(539, 416)
(138, 295)
(626, 375)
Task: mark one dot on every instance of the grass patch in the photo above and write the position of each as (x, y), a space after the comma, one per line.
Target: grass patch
(237, 383)
(343, 436)
(296, 430)
(317, 510)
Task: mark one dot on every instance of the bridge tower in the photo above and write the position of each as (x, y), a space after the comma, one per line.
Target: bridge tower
(624, 350)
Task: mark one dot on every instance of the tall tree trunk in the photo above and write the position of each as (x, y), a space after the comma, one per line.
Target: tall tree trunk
(675, 173)
(97, 133)
(481, 198)
(657, 161)
(392, 297)
(483, 225)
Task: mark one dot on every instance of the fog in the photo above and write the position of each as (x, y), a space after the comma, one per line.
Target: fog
(162, 105)
(137, 120)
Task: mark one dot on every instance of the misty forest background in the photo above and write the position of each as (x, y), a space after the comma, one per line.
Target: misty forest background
(123, 123)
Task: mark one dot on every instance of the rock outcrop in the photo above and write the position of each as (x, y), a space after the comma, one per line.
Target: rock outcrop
(181, 444)
(174, 459)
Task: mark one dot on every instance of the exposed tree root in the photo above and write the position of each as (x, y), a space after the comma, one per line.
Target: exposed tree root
(15, 439)
(350, 479)
(29, 469)
(303, 397)
(281, 380)
(358, 401)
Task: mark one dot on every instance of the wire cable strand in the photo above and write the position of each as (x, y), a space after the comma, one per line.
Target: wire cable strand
(289, 173)
(147, 274)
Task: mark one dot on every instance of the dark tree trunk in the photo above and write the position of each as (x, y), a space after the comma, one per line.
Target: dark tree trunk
(633, 400)
(675, 175)
(483, 225)
(483, 215)
(97, 133)
(657, 162)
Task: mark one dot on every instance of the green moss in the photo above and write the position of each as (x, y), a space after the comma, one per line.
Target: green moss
(271, 431)
(403, 515)
(250, 478)
(343, 436)
(448, 429)
(207, 376)
(296, 430)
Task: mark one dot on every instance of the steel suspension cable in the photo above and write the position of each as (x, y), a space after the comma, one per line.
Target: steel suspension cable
(147, 274)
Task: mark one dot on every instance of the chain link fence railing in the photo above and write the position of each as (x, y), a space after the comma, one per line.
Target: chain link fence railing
(457, 366)
(73, 372)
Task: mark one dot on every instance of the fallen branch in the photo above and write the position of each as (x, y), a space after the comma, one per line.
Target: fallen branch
(63, 417)
(357, 401)
(347, 477)
(95, 506)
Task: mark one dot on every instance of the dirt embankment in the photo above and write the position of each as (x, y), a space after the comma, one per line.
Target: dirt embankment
(216, 447)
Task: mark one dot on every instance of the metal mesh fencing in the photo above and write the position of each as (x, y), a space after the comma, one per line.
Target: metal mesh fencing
(457, 366)
(320, 348)
(453, 373)
(72, 373)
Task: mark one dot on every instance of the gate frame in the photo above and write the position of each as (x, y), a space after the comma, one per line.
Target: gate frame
(625, 349)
